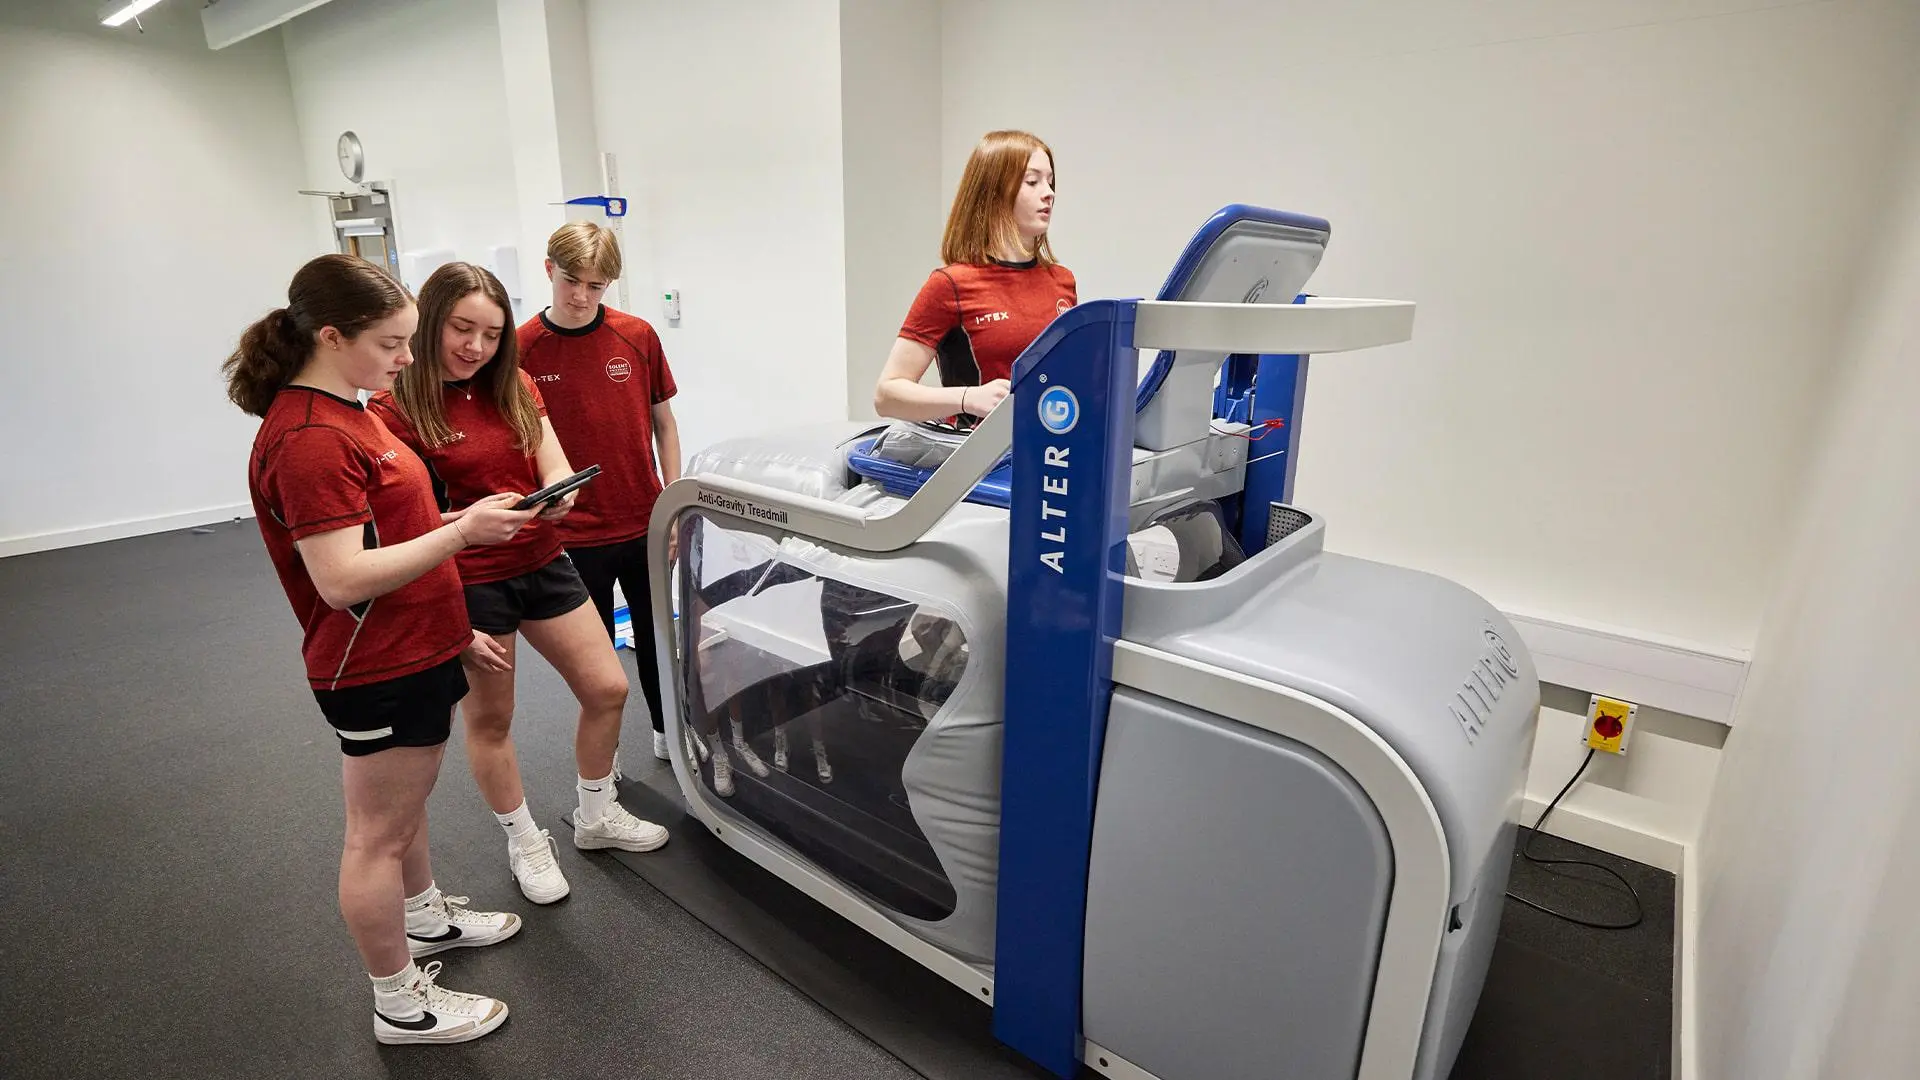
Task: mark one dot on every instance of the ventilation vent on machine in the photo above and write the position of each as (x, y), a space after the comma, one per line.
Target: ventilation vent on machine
(1283, 521)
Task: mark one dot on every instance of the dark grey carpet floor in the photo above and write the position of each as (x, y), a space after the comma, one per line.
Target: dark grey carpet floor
(169, 808)
(170, 815)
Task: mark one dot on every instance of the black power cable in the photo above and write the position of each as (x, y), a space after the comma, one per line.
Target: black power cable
(1526, 852)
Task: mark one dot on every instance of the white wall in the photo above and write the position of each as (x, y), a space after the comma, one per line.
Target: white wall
(150, 214)
(1809, 955)
(895, 208)
(545, 71)
(421, 83)
(726, 119)
(1631, 227)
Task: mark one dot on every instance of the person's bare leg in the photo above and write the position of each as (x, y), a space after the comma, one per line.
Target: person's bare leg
(386, 802)
(487, 711)
(576, 645)
(416, 866)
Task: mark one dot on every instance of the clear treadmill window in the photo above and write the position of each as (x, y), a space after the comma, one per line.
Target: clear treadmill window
(803, 695)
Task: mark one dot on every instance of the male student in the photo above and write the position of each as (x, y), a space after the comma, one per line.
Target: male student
(607, 388)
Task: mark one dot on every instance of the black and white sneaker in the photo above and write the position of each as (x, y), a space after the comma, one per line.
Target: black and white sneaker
(424, 1012)
(445, 924)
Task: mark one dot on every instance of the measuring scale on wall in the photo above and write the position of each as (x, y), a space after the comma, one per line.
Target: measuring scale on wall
(363, 222)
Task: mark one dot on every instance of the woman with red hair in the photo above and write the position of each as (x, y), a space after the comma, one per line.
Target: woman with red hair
(999, 289)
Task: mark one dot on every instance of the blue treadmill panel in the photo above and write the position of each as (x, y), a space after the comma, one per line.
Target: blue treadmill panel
(994, 489)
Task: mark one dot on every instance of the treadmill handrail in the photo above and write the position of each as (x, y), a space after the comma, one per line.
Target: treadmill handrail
(845, 526)
(1323, 324)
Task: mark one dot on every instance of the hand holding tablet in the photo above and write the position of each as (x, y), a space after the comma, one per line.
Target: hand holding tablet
(558, 488)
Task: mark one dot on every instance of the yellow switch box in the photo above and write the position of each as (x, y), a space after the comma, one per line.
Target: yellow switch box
(1608, 722)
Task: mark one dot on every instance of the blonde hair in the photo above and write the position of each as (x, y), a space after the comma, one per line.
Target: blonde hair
(420, 392)
(981, 221)
(582, 247)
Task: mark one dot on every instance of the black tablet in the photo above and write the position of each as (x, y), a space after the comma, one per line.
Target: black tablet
(558, 488)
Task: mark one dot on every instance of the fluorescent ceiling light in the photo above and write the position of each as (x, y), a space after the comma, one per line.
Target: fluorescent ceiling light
(120, 11)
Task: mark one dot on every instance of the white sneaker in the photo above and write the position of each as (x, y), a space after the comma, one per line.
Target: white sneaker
(428, 1013)
(722, 770)
(660, 746)
(821, 766)
(618, 829)
(536, 870)
(747, 757)
(445, 924)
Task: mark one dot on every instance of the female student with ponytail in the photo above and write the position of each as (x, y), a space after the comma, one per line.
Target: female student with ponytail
(366, 559)
(468, 410)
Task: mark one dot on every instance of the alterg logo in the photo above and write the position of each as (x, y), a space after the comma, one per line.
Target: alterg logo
(1472, 705)
(1059, 410)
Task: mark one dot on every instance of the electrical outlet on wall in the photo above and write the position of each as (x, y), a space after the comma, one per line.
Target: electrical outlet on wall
(1608, 724)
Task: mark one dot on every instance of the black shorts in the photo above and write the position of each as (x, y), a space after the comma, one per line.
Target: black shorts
(412, 710)
(499, 607)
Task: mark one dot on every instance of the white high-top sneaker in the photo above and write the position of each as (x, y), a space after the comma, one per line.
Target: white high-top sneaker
(821, 766)
(443, 923)
(425, 1012)
(722, 769)
(536, 870)
(747, 757)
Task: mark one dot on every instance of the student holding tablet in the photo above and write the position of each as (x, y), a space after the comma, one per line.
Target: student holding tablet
(366, 560)
(467, 409)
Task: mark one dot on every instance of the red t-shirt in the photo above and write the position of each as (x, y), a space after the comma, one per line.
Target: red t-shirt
(482, 460)
(601, 383)
(995, 310)
(322, 463)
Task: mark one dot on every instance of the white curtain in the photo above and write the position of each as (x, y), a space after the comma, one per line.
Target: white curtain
(1809, 943)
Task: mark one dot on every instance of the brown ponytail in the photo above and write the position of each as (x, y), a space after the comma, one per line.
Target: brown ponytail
(341, 291)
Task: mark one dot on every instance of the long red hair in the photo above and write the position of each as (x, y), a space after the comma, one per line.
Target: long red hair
(981, 222)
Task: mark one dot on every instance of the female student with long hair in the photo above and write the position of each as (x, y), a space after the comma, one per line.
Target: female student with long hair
(479, 423)
(365, 557)
(999, 289)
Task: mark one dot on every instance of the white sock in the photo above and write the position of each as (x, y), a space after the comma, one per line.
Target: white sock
(519, 825)
(393, 984)
(421, 917)
(595, 797)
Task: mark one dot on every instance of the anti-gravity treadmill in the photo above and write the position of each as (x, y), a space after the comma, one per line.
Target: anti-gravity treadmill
(1077, 711)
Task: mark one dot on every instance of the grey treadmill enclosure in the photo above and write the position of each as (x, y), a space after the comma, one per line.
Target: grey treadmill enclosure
(1239, 880)
(948, 774)
(1248, 887)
